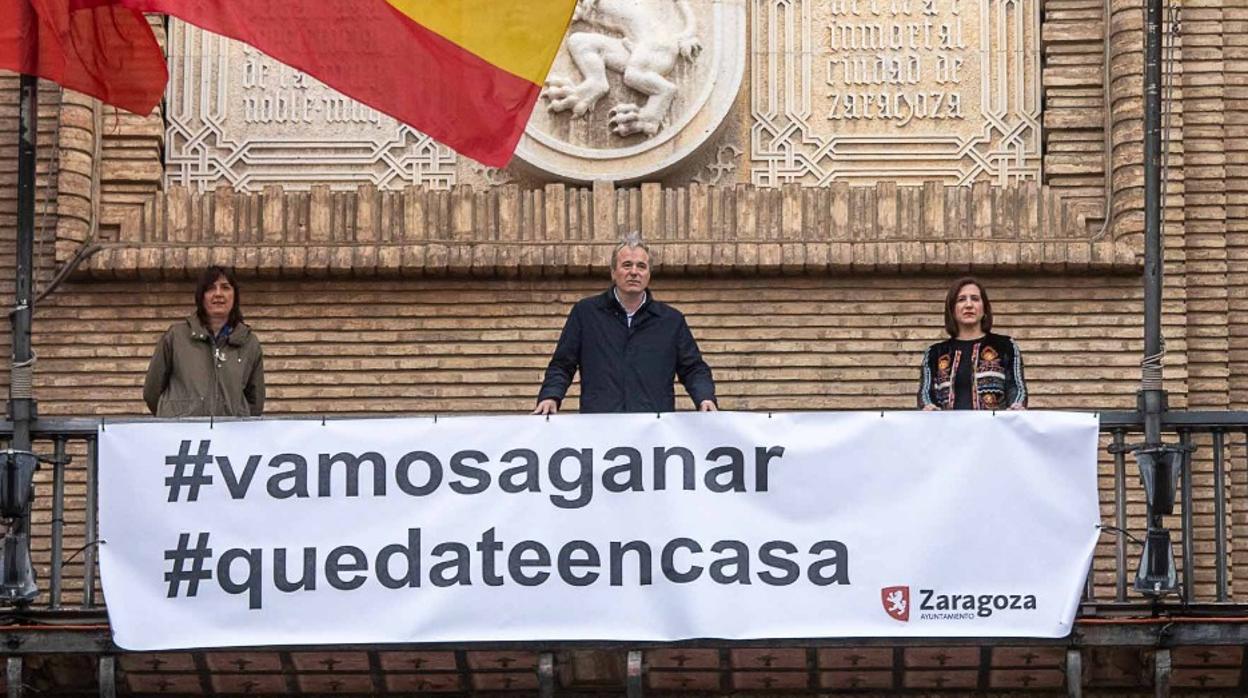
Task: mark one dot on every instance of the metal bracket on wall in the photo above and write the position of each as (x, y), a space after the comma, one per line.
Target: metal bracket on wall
(546, 675)
(13, 677)
(1161, 673)
(635, 670)
(1074, 673)
(108, 676)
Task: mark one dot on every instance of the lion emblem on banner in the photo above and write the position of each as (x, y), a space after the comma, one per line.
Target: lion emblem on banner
(637, 41)
(896, 601)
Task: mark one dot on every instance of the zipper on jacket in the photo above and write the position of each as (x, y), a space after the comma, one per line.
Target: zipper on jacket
(216, 375)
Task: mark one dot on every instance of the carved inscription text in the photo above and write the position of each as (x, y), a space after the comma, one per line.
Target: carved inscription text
(238, 117)
(276, 94)
(903, 90)
(898, 62)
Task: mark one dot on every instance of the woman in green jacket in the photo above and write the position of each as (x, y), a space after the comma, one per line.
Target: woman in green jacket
(209, 364)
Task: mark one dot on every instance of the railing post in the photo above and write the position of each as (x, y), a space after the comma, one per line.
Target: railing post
(88, 558)
(1219, 515)
(1189, 544)
(1120, 513)
(58, 521)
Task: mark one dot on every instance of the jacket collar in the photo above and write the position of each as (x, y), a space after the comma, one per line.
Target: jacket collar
(991, 338)
(238, 335)
(607, 301)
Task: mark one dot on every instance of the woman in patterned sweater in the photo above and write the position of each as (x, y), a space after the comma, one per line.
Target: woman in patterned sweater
(975, 369)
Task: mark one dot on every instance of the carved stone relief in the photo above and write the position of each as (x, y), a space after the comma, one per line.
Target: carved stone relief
(238, 117)
(906, 90)
(638, 86)
(719, 170)
(859, 91)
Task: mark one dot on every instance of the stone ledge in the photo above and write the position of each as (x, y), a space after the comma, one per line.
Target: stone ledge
(558, 212)
(560, 230)
(690, 257)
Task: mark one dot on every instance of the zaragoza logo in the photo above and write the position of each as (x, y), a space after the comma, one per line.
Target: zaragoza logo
(896, 602)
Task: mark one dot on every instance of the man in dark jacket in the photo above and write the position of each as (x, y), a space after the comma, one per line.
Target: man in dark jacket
(627, 346)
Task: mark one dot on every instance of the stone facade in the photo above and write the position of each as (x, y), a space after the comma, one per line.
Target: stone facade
(430, 299)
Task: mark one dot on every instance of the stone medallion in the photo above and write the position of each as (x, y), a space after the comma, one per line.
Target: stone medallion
(637, 87)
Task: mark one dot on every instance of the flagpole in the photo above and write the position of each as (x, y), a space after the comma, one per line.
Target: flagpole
(1161, 464)
(18, 583)
(19, 387)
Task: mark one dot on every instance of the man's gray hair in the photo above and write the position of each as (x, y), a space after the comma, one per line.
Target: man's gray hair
(631, 240)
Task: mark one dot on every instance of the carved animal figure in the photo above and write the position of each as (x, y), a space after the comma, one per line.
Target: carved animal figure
(641, 45)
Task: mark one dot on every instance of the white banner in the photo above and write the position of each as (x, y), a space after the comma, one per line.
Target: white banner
(596, 527)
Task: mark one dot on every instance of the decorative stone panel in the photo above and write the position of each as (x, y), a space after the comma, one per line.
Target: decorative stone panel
(908, 90)
(235, 116)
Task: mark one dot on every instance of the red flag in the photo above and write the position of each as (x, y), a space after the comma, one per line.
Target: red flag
(466, 72)
(86, 45)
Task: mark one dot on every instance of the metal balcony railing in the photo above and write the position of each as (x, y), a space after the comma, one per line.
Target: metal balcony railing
(65, 533)
(1216, 445)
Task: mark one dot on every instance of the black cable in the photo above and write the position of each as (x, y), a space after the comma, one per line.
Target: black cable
(1120, 531)
(97, 541)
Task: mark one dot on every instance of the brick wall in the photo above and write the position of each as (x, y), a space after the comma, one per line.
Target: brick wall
(460, 345)
(419, 302)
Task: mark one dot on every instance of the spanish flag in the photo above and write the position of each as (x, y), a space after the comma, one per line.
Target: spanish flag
(86, 45)
(466, 72)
